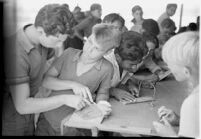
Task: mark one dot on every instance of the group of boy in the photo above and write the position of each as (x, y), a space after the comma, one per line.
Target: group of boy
(28, 51)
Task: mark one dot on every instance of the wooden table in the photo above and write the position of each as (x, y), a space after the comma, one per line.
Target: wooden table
(138, 118)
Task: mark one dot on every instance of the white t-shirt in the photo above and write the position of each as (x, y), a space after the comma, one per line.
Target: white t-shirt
(116, 79)
(189, 115)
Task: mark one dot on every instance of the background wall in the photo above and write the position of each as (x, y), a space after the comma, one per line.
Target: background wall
(27, 9)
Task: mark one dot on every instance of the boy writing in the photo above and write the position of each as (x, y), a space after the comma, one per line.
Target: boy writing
(78, 71)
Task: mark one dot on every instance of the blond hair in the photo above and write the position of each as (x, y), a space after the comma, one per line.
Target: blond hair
(106, 35)
(183, 50)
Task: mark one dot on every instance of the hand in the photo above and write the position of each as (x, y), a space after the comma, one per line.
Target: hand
(134, 90)
(77, 102)
(105, 107)
(168, 114)
(122, 94)
(82, 90)
(152, 78)
(164, 129)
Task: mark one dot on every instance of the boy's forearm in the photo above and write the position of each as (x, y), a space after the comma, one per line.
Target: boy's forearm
(37, 105)
(102, 96)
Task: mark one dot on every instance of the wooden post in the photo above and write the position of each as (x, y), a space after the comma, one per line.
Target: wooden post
(181, 14)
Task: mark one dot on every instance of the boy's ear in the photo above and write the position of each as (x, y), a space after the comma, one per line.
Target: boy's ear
(187, 72)
(40, 30)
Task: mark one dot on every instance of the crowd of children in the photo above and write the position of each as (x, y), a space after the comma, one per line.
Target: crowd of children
(97, 59)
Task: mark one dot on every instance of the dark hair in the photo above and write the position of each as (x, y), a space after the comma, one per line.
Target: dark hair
(55, 18)
(132, 46)
(192, 26)
(182, 29)
(151, 26)
(114, 17)
(171, 5)
(148, 37)
(95, 6)
(134, 9)
(168, 23)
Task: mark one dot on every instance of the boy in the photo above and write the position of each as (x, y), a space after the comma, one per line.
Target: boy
(77, 71)
(181, 53)
(26, 56)
(149, 31)
(170, 11)
(83, 29)
(126, 59)
(115, 19)
(167, 30)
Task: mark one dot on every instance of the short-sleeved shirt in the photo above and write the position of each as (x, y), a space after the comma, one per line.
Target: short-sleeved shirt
(161, 18)
(98, 78)
(189, 115)
(24, 63)
(85, 26)
(117, 78)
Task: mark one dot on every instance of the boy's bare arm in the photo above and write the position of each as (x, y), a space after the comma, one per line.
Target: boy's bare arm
(25, 104)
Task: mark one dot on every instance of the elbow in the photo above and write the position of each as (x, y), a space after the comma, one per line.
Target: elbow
(21, 109)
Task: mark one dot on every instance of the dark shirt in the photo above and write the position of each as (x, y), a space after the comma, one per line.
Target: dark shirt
(85, 26)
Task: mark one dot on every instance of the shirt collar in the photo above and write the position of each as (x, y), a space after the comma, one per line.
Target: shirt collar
(97, 65)
(21, 36)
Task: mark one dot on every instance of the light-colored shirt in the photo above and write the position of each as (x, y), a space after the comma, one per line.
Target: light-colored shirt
(116, 79)
(98, 78)
(189, 115)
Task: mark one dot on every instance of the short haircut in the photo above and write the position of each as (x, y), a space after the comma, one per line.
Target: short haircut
(132, 46)
(55, 18)
(151, 26)
(192, 26)
(95, 6)
(171, 5)
(183, 49)
(151, 38)
(137, 8)
(114, 17)
(169, 24)
(106, 35)
(134, 9)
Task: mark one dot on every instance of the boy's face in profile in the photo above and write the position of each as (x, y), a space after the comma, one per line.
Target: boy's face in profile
(131, 66)
(97, 13)
(171, 11)
(94, 50)
(118, 25)
(51, 41)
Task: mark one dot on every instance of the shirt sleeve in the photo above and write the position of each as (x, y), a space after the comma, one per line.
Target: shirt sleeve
(189, 117)
(103, 91)
(17, 67)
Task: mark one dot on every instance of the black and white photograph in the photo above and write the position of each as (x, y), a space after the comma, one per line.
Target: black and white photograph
(100, 68)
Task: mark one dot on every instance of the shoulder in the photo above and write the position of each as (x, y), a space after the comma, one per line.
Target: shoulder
(191, 101)
(106, 65)
(70, 51)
